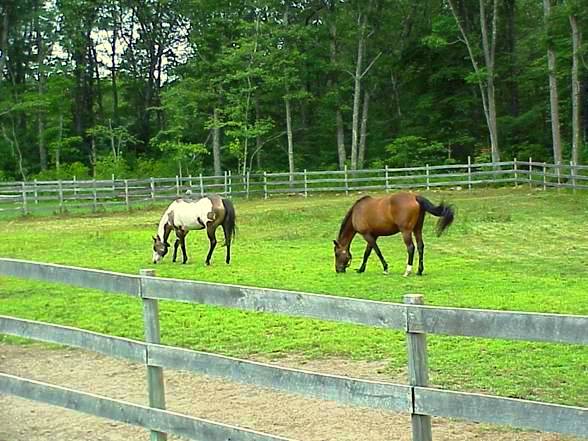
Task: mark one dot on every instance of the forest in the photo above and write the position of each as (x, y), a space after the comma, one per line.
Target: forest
(138, 88)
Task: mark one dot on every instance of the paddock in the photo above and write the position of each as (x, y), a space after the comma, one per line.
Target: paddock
(494, 228)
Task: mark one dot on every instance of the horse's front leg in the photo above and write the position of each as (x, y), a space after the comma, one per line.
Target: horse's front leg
(211, 231)
(176, 245)
(366, 255)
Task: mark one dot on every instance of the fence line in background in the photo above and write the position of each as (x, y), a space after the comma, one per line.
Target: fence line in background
(61, 195)
(416, 320)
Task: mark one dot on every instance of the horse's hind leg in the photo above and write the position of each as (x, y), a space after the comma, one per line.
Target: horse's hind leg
(212, 238)
(418, 235)
(183, 244)
(228, 245)
(407, 237)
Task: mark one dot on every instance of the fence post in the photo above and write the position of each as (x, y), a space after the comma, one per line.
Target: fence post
(75, 188)
(225, 184)
(190, 181)
(154, 373)
(177, 186)
(94, 196)
(127, 194)
(427, 173)
(516, 176)
(544, 176)
(418, 375)
(113, 185)
(230, 182)
(36, 193)
(305, 185)
(152, 189)
(247, 177)
(573, 175)
(25, 208)
(386, 185)
(201, 186)
(530, 173)
(469, 172)
(265, 185)
(346, 182)
(60, 185)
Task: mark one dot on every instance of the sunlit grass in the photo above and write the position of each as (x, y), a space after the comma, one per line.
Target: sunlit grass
(508, 249)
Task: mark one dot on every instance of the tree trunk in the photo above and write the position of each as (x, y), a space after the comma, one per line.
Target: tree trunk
(216, 144)
(341, 153)
(576, 96)
(290, 142)
(511, 44)
(258, 140)
(331, 84)
(357, 91)
(363, 131)
(4, 40)
(41, 92)
(553, 93)
(114, 86)
(489, 56)
(58, 149)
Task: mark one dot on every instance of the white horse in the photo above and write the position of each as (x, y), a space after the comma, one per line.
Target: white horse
(184, 215)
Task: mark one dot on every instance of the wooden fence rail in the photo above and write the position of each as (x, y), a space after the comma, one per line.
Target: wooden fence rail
(416, 320)
(27, 197)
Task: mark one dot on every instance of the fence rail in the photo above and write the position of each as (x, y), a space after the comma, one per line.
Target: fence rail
(60, 196)
(416, 320)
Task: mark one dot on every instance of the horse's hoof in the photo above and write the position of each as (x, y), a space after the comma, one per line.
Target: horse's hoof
(406, 274)
(385, 272)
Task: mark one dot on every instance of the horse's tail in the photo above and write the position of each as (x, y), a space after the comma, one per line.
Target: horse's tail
(230, 220)
(444, 211)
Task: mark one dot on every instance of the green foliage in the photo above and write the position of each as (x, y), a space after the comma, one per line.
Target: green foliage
(109, 165)
(410, 151)
(66, 171)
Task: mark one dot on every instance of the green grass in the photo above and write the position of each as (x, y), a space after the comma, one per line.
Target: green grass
(508, 249)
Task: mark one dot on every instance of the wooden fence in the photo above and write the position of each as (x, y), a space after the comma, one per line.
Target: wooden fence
(60, 196)
(417, 320)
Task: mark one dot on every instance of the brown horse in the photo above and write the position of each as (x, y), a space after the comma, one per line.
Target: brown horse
(385, 216)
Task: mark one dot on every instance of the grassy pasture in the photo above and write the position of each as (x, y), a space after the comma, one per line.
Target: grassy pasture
(522, 250)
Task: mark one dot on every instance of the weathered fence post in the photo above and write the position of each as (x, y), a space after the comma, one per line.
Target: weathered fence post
(386, 185)
(418, 374)
(177, 186)
(25, 208)
(94, 196)
(265, 185)
(60, 185)
(573, 176)
(154, 373)
(230, 183)
(201, 186)
(127, 194)
(225, 184)
(75, 188)
(247, 184)
(544, 176)
(469, 172)
(516, 176)
(152, 183)
(427, 173)
(305, 185)
(530, 173)
(113, 186)
(36, 192)
(190, 181)
(346, 181)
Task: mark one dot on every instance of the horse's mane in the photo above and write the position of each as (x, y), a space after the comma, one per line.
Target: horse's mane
(348, 215)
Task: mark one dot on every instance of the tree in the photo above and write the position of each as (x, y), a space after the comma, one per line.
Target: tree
(483, 77)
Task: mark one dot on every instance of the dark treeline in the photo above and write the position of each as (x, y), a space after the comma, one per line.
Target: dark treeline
(164, 87)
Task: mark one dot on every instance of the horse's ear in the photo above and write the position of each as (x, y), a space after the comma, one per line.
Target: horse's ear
(154, 238)
(336, 243)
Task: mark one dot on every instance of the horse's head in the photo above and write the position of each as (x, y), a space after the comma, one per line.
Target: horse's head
(342, 257)
(159, 248)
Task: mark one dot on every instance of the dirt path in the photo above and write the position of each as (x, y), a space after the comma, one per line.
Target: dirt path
(255, 408)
